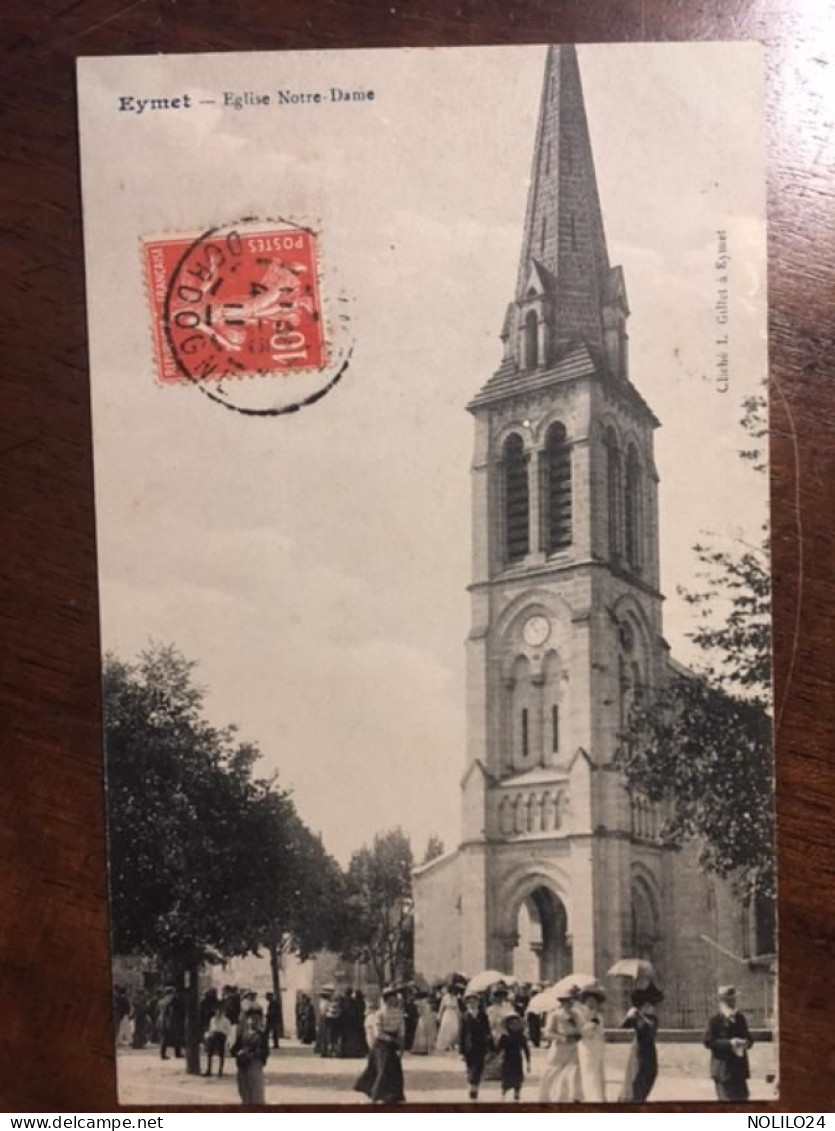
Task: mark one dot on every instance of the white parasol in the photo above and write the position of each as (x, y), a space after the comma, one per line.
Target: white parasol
(487, 978)
(638, 968)
(571, 986)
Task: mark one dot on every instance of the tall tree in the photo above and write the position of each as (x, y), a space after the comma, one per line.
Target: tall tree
(702, 744)
(380, 925)
(199, 847)
(300, 894)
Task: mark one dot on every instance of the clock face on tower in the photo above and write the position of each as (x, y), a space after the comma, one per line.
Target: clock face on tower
(536, 631)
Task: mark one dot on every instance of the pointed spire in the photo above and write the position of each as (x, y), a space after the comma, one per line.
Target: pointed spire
(564, 246)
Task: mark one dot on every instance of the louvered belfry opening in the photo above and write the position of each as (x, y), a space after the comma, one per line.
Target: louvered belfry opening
(633, 511)
(531, 340)
(516, 499)
(557, 490)
(613, 494)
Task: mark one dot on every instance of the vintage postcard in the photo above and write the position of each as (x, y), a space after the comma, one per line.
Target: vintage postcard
(429, 395)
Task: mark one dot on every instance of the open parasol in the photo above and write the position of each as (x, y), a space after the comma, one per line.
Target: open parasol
(638, 968)
(574, 984)
(570, 986)
(487, 978)
(543, 1002)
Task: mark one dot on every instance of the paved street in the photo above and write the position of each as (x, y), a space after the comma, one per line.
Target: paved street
(295, 1075)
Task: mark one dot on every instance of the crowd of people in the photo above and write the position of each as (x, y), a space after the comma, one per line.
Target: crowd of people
(336, 1028)
(150, 1018)
(232, 1022)
(492, 1031)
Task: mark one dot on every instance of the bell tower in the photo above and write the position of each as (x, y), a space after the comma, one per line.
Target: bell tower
(566, 610)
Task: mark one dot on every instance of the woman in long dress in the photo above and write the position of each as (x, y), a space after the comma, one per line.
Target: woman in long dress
(382, 1078)
(561, 1079)
(251, 1050)
(372, 1010)
(306, 1023)
(591, 1048)
(642, 1066)
(426, 1032)
(140, 1021)
(322, 1006)
(354, 1043)
(449, 1022)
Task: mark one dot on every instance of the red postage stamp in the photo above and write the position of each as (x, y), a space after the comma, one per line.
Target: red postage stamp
(238, 300)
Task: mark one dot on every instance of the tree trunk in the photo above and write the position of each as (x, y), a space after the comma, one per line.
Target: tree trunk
(378, 961)
(193, 1034)
(275, 970)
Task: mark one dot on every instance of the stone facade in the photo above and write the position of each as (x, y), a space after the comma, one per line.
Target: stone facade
(566, 631)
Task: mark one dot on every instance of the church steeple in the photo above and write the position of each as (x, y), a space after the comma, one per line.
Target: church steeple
(566, 291)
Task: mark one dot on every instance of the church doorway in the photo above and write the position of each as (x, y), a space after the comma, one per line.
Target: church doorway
(543, 950)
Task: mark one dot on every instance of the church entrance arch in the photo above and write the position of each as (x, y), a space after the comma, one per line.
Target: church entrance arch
(543, 948)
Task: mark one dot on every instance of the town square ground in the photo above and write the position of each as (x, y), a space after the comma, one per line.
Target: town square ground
(295, 1075)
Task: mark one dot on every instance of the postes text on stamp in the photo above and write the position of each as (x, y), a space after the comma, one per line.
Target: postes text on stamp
(237, 300)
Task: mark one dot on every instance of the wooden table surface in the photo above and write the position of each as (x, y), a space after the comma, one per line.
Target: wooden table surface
(56, 1043)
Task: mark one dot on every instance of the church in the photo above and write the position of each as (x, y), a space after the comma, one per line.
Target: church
(559, 868)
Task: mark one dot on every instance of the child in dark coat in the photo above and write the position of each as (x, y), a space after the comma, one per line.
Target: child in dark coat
(513, 1045)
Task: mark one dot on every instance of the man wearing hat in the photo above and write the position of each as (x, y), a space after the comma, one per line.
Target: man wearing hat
(728, 1038)
(476, 1042)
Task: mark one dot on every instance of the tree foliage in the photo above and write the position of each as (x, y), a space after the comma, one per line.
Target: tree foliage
(381, 906)
(434, 848)
(702, 745)
(733, 601)
(181, 813)
(706, 756)
(206, 859)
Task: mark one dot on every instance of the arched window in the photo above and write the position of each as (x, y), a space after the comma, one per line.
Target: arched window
(745, 928)
(765, 925)
(624, 694)
(532, 335)
(552, 685)
(519, 814)
(613, 494)
(506, 817)
(516, 500)
(545, 815)
(633, 510)
(646, 921)
(559, 809)
(637, 687)
(521, 705)
(556, 490)
(529, 812)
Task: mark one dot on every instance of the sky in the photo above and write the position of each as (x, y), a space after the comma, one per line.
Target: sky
(315, 564)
